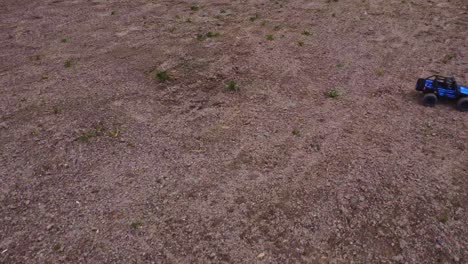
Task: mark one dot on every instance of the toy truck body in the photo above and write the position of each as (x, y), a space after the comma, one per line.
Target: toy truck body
(435, 87)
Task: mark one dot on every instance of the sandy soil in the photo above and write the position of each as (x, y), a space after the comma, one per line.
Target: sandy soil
(102, 162)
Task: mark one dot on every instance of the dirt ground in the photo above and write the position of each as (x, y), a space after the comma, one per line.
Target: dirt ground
(318, 151)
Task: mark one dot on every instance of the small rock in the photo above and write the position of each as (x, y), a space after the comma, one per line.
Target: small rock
(3, 125)
(403, 244)
(261, 255)
(50, 226)
(323, 260)
(398, 258)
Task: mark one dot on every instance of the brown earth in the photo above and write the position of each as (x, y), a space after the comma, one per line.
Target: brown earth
(101, 162)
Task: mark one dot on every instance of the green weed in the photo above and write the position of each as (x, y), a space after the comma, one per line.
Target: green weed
(136, 225)
(332, 93)
(68, 63)
(163, 76)
(296, 132)
(380, 72)
(252, 19)
(447, 58)
(85, 137)
(232, 86)
(114, 133)
(444, 217)
(212, 34)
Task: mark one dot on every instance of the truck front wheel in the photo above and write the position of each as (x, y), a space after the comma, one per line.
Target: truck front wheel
(429, 100)
(462, 104)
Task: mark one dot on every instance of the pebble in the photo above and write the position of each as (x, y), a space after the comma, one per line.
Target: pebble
(50, 226)
(3, 125)
(261, 255)
(398, 258)
(323, 260)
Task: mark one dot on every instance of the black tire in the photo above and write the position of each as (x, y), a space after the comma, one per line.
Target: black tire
(429, 100)
(420, 84)
(462, 104)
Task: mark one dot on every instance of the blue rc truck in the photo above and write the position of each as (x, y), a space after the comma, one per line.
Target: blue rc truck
(436, 86)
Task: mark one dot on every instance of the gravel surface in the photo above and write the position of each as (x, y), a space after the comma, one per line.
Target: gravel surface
(231, 131)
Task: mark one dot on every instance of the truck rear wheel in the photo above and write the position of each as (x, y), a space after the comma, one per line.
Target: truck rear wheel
(462, 104)
(429, 100)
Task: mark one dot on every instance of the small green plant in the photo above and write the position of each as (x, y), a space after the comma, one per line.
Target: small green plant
(57, 247)
(45, 76)
(201, 37)
(252, 19)
(35, 132)
(114, 133)
(306, 33)
(444, 217)
(188, 20)
(136, 225)
(232, 86)
(68, 63)
(212, 34)
(85, 137)
(35, 58)
(296, 132)
(163, 76)
(277, 27)
(447, 58)
(340, 65)
(332, 93)
(270, 37)
(194, 8)
(56, 110)
(380, 72)
(113, 13)
(64, 40)
(300, 43)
